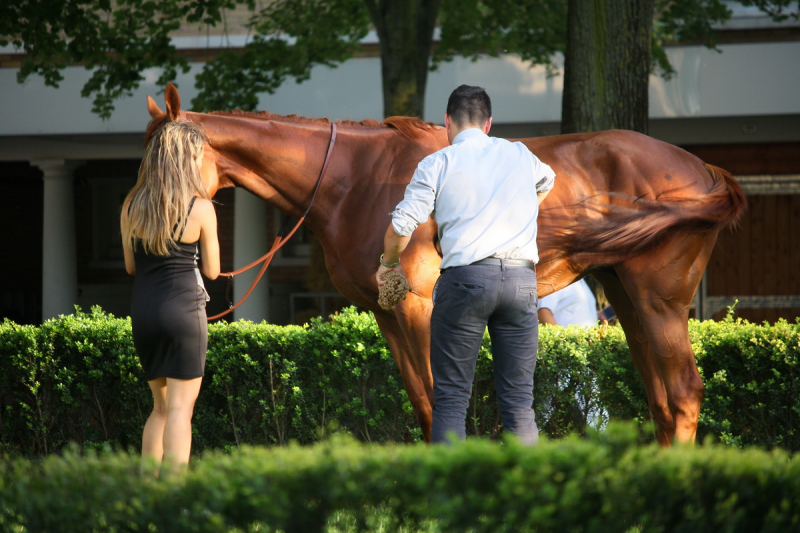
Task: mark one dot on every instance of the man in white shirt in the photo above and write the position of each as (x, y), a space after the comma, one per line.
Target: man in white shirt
(484, 194)
(574, 305)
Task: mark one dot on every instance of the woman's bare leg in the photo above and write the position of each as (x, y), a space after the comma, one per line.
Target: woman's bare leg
(153, 436)
(180, 398)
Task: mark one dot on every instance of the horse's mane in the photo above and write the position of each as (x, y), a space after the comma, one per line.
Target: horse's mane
(411, 127)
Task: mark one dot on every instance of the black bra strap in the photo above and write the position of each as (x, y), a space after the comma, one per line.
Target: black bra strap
(186, 220)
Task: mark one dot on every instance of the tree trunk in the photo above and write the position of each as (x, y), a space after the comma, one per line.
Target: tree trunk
(405, 29)
(607, 65)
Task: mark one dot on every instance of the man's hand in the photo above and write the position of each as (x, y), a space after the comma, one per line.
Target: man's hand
(383, 270)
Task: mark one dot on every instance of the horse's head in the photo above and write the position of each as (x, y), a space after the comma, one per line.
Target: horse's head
(269, 155)
(209, 170)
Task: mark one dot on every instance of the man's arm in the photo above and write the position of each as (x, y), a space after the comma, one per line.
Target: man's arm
(393, 246)
(416, 207)
(542, 195)
(546, 180)
(546, 316)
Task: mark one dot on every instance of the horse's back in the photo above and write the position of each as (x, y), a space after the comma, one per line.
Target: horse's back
(621, 161)
(620, 193)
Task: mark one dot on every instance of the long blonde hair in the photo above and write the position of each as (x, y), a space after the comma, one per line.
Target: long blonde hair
(168, 178)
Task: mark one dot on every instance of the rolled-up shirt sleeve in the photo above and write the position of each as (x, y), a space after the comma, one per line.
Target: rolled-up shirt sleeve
(420, 197)
(545, 177)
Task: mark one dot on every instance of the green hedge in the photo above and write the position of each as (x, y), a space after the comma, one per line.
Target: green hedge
(605, 483)
(77, 379)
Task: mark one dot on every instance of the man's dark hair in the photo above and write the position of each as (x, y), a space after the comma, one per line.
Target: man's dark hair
(469, 105)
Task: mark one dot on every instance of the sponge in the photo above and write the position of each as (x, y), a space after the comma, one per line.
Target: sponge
(393, 291)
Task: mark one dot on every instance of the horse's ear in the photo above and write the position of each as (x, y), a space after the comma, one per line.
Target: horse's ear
(173, 100)
(152, 108)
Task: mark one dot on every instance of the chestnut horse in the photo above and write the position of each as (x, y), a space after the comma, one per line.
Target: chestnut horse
(640, 214)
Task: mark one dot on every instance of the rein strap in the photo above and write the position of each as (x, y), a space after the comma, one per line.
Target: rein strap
(279, 240)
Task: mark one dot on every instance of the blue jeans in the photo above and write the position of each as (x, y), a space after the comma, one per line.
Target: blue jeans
(466, 300)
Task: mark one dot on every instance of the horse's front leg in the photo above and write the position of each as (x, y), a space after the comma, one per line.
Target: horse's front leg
(409, 343)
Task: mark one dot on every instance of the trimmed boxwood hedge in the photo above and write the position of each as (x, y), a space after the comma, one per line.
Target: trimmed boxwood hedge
(77, 379)
(607, 482)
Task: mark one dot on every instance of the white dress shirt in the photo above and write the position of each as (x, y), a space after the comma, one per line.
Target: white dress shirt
(574, 305)
(481, 191)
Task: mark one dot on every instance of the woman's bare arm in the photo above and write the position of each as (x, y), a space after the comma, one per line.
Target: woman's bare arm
(209, 241)
(127, 251)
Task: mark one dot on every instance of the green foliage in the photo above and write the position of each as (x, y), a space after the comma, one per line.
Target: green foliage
(250, 384)
(608, 482)
(354, 380)
(584, 376)
(23, 399)
(290, 37)
(693, 21)
(74, 379)
(751, 377)
(684, 21)
(779, 10)
(705, 489)
(119, 40)
(534, 30)
(76, 492)
(270, 384)
(97, 378)
(690, 20)
(77, 379)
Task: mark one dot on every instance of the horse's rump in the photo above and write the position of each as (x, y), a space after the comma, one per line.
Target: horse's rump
(628, 226)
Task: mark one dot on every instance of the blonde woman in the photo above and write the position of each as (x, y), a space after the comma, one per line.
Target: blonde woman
(168, 220)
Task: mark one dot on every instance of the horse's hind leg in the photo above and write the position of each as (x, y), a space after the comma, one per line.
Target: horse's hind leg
(660, 286)
(639, 348)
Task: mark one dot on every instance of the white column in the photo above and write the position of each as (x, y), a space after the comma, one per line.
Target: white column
(250, 243)
(59, 264)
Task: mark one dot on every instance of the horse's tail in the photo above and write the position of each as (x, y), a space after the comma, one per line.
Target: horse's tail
(733, 210)
(626, 227)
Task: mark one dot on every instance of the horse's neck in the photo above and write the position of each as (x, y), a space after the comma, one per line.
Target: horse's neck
(279, 162)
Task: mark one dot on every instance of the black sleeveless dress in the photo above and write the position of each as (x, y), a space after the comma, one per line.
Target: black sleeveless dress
(168, 312)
